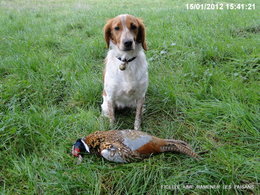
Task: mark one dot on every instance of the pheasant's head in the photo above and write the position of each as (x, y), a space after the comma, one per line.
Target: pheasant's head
(79, 148)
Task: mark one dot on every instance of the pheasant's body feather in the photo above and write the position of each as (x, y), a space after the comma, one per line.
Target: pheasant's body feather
(131, 145)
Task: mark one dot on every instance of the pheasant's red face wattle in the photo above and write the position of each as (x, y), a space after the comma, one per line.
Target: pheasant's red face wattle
(75, 151)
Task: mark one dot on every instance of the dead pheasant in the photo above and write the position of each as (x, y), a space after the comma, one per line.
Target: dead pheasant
(127, 145)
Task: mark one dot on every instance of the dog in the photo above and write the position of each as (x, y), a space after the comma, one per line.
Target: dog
(126, 70)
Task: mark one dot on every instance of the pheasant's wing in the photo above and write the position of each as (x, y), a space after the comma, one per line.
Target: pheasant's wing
(135, 139)
(127, 146)
(118, 153)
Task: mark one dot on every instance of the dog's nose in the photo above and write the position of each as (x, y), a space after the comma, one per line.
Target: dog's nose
(128, 44)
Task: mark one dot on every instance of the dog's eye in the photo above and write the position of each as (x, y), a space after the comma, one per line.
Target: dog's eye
(133, 27)
(116, 28)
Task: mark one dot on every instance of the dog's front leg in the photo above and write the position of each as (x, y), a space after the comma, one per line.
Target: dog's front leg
(139, 113)
(111, 112)
(108, 109)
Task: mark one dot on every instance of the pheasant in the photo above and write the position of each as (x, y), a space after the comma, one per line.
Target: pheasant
(125, 146)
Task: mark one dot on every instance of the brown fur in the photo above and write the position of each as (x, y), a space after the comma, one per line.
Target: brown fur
(104, 93)
(115, 35)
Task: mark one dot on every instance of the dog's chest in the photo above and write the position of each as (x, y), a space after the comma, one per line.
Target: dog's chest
(129, 83)
(128, 88)
(125, 87)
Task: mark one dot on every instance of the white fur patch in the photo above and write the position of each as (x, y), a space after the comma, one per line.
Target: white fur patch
(124, 88)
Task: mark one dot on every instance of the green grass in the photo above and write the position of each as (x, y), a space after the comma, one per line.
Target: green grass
(204, 89)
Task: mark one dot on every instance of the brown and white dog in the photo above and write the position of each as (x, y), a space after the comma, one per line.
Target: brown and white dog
(126, 71)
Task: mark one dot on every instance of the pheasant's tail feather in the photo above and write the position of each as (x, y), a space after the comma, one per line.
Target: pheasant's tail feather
(178, 146)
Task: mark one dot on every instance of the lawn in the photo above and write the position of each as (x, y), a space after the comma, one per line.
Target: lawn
(204, 88)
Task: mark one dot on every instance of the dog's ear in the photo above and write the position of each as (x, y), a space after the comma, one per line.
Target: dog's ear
(107, 32)
(141, 33)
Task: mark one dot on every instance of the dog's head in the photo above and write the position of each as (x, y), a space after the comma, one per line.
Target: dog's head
(125, 31)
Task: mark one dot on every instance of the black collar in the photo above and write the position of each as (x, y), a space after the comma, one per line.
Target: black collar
(125, 60)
